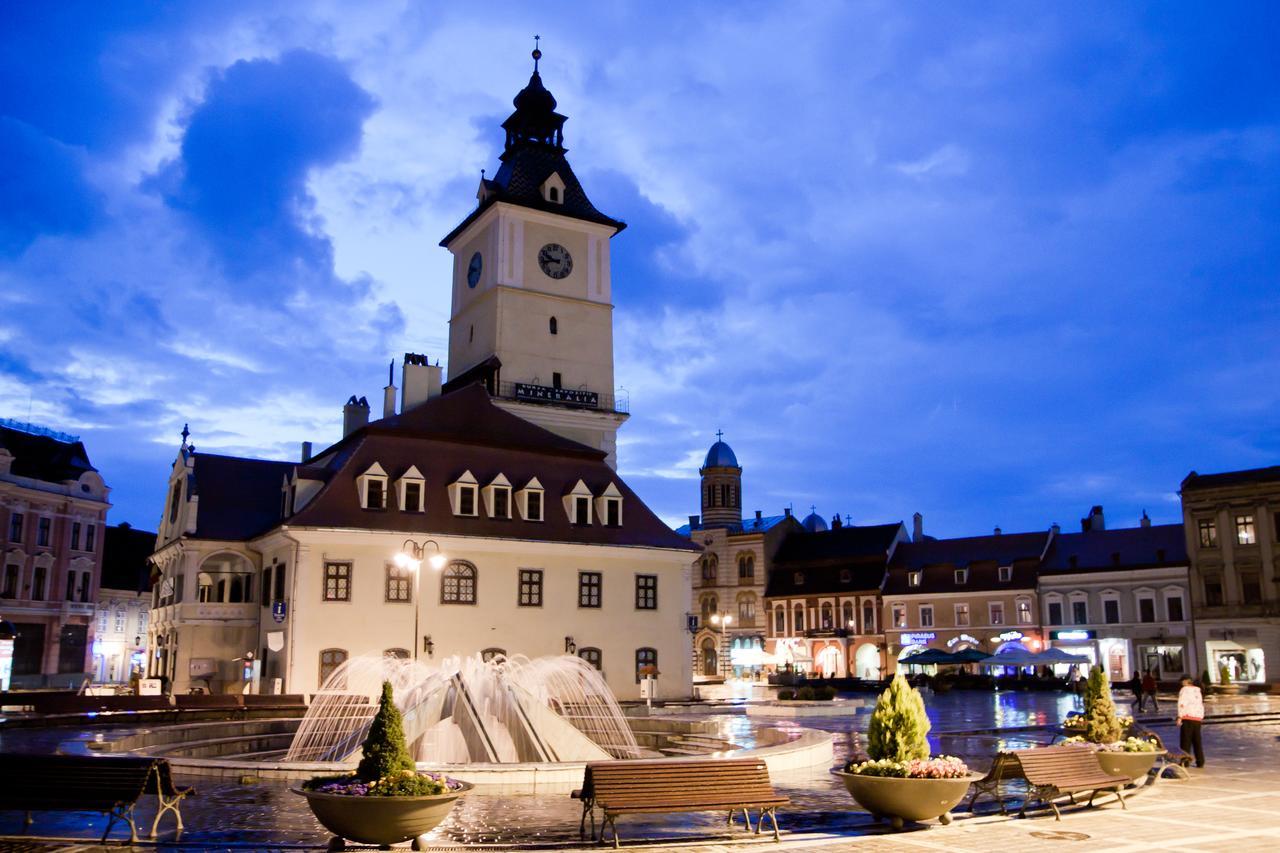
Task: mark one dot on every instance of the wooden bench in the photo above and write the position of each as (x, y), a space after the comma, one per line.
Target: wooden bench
(77, 783)
(272, 702)
(661, 787)
(1050, 772)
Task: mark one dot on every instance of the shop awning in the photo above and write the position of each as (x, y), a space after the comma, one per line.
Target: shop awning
(1056, 655)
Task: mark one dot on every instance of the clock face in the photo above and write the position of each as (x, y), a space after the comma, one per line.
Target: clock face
(555, 260)
(473, 271)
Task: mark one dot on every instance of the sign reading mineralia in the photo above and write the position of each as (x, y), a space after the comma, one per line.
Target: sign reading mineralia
(567, 396)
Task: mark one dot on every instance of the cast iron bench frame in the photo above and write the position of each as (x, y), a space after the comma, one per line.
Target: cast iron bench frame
(1050, 772)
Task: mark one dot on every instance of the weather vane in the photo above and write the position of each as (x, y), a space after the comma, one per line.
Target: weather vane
(537, 54)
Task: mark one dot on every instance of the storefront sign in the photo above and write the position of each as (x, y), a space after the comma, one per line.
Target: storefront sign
(918, 639)
(1072, 635)
(568, 396)
(963, 638)
(1007, 637)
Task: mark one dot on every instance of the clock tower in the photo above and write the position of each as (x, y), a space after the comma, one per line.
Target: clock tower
(532, 315)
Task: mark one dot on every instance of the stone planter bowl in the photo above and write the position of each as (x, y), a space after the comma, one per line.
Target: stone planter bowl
(380, 820)
(901, 800)
(1133, 765)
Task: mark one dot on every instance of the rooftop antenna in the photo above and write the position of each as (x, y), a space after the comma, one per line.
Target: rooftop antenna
(537, 54)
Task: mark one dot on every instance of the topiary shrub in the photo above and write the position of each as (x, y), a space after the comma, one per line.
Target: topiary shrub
(824, 693)
(1224, 673)
(899, 725)
(805, 694)
(786, 695)
(384, 752)
(1100, 723)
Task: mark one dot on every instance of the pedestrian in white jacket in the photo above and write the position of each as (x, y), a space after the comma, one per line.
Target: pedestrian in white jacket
(1190, 718)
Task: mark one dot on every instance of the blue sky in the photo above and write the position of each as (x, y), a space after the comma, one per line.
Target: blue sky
(993, 263)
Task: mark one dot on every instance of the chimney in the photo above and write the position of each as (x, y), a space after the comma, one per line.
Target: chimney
(693, 522)
(355, 414)
(917, 528)
(421, 381)
(759, 518)
(998, 531)
(1146, 519)
(1055, 528)
(836, 523)
(1094, 521)
(786, 510)
(306, 451)
(389, 393)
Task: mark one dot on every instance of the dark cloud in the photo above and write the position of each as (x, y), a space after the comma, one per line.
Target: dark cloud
(247, 150)
(42, 190)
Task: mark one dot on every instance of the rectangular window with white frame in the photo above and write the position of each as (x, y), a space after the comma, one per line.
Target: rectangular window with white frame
(1146, 609)
(529, 501)
(962, 615)
(913, 578)
(1173, 605)
(926, 615)
(1005, 573)
(1111, 611)
(1208, 529)
(900, 615)
(995, 610)
(961, 577)
(1245, 533)
(497, 498)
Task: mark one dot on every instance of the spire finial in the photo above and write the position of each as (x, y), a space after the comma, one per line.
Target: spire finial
(813, 508)
(537, 53)
(185, 433)
(391, 372)
(719, 434)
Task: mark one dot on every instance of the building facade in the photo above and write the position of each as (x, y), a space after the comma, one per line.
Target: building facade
(271, 574)
(124, 603)
(823, 599)
(729, 578)
(1232, 528)
(53, 504)
(1121, 598)
(971, 593)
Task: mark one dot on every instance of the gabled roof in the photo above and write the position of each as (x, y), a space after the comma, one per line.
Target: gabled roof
(1117, 550)
(938, 559)
(845, 559)
(125, 553)
(1231, 478)
(852, 542)
(42, 457)
(465, 431)
(239, 497)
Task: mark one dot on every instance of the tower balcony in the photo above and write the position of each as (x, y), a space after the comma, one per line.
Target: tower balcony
(568, 398)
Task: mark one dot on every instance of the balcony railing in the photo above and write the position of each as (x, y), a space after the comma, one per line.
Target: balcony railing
(569, 398)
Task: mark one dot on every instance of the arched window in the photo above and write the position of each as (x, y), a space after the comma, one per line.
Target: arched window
(553, 194)
(827, 616)
(780, 621)
(710, 661)
(493, 654)
(848, 615)
(399, 654)
(710, 568)
(747, 610)
(554, 325)
(592, 655)
(204, 582)
(746, 567)
(225, 579)
(646, 663)
(173, 501)
(330, 660)
(709, 606)
(458, 585)
(868, 618)
(798, 620)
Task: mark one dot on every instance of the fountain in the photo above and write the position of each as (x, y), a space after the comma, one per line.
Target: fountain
(471, 711)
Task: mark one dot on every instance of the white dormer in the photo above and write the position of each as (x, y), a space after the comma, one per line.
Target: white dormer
(552, 189)
(463, 494)
(372, 487)
(409, 490)
(609, 507)
(530, 501)
(577, 504)
(497, 498)
(962, 576)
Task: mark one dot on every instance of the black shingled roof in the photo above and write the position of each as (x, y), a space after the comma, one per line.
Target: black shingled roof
(41, 457)
(982, 555)
(1232, 478)
(1114, 550)
(839, 560)
(125, 552)
(239, 497)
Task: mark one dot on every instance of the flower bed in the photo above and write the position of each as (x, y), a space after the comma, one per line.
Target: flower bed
(1129, 744)
(941, 767)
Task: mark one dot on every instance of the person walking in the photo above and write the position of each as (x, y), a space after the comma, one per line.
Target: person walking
(1149, 689)
(1135, 685)
(1190, 718)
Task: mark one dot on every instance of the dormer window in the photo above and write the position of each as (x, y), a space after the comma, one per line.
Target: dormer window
(372, 485)
(577, 504)
(553, 189)
(962, 576)
(1006, 574)
(411, 487)
(464, 494)
(913, 578)
(529, 501)
(609, 506)
(497, 498)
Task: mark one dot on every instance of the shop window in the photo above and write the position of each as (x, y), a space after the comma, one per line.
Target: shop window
(1244, 530)
(1208, 533)
(926, 616)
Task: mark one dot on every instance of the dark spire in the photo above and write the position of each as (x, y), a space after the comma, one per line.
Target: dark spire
(185, 434)
(535, 121)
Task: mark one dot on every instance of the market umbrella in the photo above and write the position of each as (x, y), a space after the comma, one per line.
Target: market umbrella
(1013, 657)
(928, 656)
(969, 656)
(1055, 655)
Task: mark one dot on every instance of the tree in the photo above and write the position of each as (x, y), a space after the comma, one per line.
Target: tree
(384, 752)
(899, 724)
(1100, 722)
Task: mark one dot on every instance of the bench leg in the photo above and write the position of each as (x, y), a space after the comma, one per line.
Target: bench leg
(611, 822)
(1120, 797)
(125, 815)
(773, 817)
(171, 804)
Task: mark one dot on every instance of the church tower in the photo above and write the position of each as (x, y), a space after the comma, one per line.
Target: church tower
(721, 485)
(532, 315)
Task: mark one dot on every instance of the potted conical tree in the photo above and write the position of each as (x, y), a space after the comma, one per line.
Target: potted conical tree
(386, 801)
(900, 781)
(1104, 732)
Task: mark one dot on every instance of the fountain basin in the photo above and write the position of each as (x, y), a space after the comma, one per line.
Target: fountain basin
(801, 708)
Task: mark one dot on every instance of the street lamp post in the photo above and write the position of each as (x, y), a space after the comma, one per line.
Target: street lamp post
(723, 620)
(410, 557)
